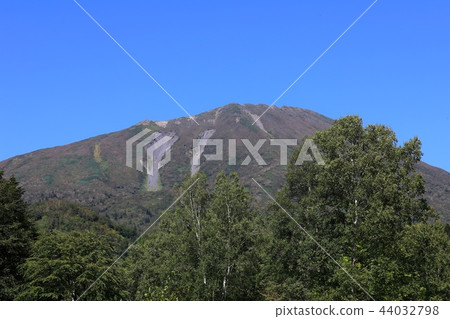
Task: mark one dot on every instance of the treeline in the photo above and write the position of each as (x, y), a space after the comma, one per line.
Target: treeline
(357, 228)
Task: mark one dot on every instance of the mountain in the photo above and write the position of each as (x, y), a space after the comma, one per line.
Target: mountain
(93, 172)
(437, 185)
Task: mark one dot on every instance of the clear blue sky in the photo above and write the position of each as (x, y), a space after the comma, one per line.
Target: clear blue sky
(62, 79)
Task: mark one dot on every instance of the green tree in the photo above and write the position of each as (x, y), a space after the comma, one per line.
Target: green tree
(234, 236)
(424, 257)
(169, 263)
(63, 265)
(205, 249)
(356, 206)
(447, 229)
(16, 236)
(66, 216)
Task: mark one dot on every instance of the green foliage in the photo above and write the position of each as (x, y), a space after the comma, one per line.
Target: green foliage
(66, 216)
(424, 254)
(63, 265)
(205, 250)
(358, 206)
(74, 247)
(16, 236)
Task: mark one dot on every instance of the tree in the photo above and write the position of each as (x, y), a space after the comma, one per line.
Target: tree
(356, 206)
(205, 249)
(234, 237)
(447, 229)
(424, 259)
(66, 216)
(169, 262)
(16, 235)
(63, 265)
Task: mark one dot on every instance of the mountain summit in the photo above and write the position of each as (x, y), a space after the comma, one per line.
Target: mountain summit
(94, 171)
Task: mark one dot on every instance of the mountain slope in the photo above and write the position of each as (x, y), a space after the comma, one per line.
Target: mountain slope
(93, 171)
(437, 185)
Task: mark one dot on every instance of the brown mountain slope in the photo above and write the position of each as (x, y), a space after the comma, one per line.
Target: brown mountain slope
(93, 171)
(437, 188)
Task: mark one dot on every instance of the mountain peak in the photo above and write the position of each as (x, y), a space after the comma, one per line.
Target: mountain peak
(94, 171)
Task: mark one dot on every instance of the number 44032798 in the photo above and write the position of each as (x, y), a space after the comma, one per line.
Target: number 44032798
(410, 310)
